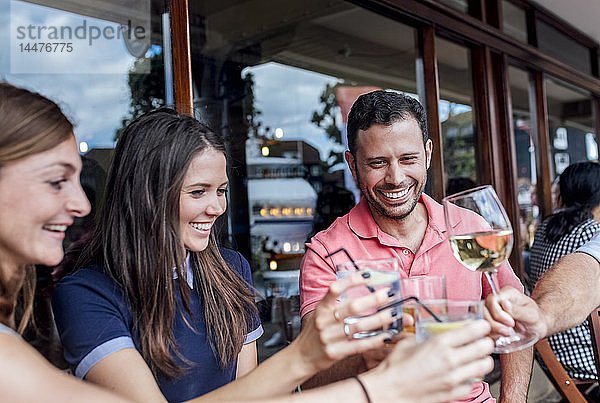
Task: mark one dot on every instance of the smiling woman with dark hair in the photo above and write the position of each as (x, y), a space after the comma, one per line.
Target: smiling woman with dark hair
(152, 275)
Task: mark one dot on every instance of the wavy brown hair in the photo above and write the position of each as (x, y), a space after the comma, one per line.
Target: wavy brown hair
(29, 124)
(137, 239)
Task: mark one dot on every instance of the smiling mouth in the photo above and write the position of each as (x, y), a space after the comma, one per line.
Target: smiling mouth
(397, 195)
(200, 226)
(55, 227)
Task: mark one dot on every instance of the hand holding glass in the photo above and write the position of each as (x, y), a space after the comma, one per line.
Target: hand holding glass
(383, 274)
(481, 238)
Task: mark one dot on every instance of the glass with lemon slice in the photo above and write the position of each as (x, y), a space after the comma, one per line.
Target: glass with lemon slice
(452, 315)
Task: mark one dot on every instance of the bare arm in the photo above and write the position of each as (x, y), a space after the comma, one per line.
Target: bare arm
(321, 343)
(562, 298)
(345, 368)
(568, 292)
(516, 374)
(125, 372)
(435, 371)
(26, 376)
(246, 361)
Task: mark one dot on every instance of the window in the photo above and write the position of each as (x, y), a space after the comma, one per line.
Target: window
(571, 125)
(514, 21)
(562, 47)
(109, 71)
(456, 115)
(283, 76)
(529, 211)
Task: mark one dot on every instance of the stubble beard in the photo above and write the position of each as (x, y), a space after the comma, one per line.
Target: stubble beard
(375, 205)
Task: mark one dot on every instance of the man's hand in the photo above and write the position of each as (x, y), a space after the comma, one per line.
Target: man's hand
(513, 309)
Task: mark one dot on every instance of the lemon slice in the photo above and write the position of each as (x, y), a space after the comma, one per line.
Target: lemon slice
(437, 327)
(381, 277)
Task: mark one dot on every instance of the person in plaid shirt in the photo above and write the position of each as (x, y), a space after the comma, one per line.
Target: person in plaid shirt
(561, 234)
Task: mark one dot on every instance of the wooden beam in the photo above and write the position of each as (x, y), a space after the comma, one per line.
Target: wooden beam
(182, 66)
(430, 84)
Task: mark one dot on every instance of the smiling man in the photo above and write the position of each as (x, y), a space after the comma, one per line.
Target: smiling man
(389, 154)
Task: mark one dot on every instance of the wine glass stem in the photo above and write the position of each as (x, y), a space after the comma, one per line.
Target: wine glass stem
(490, 277)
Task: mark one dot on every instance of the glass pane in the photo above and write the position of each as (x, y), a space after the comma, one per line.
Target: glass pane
(525, 155)
(99, 60)
(571, 125)
(456, 115)
(279, 79)
(460, 5)
(514, 21)
(561, 46)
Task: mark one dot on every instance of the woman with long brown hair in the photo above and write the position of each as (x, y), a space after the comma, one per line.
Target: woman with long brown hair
(40, 196)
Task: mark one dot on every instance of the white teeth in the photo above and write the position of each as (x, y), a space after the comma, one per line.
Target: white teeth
(55, 227)
(396, 195)
(201, 226)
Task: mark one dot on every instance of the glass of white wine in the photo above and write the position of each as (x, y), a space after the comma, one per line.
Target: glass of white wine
(481, 238)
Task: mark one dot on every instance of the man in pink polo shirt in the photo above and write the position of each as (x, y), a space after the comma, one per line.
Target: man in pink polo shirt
(389, 154)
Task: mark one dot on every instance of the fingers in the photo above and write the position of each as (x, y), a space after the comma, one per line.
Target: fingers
(339, 286)
(462, 378)
(376, 321)
(495, 305)
(358, 346)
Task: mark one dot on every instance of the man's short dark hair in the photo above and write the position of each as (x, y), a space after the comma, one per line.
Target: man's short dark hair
(383, 108)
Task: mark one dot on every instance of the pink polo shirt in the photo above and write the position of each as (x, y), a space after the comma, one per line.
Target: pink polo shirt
(358, 233)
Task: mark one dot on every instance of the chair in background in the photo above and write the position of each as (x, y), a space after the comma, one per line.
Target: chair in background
(594, 322)
(563, 383)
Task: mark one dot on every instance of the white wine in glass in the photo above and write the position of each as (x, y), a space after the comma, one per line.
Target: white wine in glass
(481, 238)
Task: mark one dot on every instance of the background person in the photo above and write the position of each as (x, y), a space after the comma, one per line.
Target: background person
(560, 234)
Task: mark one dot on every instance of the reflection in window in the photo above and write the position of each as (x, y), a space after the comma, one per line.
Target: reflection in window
(101, 81)
(529, 211)
(460, 5)
(514, 21)
(570, 124)
(280, 76)
(563, 47)
(456, 115)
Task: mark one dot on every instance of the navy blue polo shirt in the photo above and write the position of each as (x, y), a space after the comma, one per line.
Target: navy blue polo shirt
(93, 321)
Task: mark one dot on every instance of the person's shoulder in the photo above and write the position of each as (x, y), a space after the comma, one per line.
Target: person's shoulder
(93, 274)
(234, 258)
(84, 282)
(339, 225)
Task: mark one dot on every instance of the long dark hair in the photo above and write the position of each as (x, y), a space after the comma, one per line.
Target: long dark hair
(137, 239)
(29, 124)
(579, 195)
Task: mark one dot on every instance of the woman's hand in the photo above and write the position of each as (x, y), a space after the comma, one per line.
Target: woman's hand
(438, 370)
(323, 340)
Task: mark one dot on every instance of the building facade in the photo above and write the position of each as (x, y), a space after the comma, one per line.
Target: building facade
(511, 89)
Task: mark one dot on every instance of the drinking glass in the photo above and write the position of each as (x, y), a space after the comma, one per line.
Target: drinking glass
(425, 288)
(383, 275)
(481, 238)
(450, 315)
